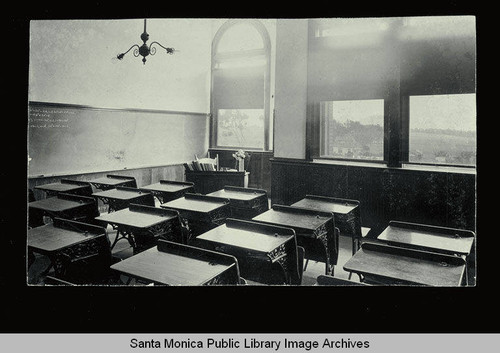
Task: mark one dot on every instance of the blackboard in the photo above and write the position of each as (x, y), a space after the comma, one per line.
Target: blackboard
(71, 139)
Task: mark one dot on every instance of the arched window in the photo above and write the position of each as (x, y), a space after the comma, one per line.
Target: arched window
(240, 86)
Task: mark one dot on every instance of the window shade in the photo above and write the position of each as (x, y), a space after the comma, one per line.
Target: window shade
(239, 88)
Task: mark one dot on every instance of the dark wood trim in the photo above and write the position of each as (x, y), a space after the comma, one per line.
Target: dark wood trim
(436, 197)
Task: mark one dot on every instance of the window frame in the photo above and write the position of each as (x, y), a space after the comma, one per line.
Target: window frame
(405, 141)
(217, 58)
(396, 121)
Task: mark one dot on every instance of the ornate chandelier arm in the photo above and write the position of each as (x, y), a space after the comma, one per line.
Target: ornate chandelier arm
(136, 52)
(153, 50)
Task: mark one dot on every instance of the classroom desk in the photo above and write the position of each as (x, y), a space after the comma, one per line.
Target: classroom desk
(167, 190)
(65, 242)
(266, 253)
(68, 206)
(142, 225)
(315, 231)
(432, 238)
(210, 181)
(66, 186)
(121, 197)
(111, 181)
(383, 264)
(176, 264)
(245, 203)
(200, 213)
(346, 213)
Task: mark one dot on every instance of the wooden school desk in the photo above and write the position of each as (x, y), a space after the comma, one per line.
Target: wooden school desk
(315, 231)
(443, 240)
(346, 213)
(245, 203)
(121, 197)
(200, 212)
(207, 182)
(141, 225)
(111, 181)
(383, 264)
(167, 190)
(175, 264)
(266, 253)
(66, 186)
(67, 242)
(75, 207)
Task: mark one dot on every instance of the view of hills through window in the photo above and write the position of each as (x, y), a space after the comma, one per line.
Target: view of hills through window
(443, 129)
(353, 129)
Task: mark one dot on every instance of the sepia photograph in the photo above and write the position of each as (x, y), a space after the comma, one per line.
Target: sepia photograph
(247, 179)
(326, 151)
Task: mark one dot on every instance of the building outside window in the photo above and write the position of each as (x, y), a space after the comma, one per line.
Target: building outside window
(352, 129)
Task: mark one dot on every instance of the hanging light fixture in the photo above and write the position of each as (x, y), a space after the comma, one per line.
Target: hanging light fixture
(145, 50)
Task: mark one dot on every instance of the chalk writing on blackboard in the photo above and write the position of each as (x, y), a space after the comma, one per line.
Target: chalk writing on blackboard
(44, 119)
(47, 122)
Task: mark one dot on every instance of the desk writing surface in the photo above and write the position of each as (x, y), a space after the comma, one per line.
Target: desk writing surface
(193, 205)
(55, 204)
(248, 239)
(59, 187)
(48, 238)
(325, 206)
(133, 218)
(166, 187)
(109, 181)
(398, 266)
(170, 269)
(427, 239)
(119, 194)
(306, 221)
(236, 195)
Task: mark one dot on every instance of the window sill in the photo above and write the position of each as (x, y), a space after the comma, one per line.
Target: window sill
(440, 168)
(409, 167)
(238, 148)
(378, 164)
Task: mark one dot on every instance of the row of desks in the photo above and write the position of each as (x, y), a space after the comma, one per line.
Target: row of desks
(314, 221)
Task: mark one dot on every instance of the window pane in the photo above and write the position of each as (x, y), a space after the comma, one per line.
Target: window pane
(240, 37)
(241, 128)
(443, 129)
(353, 129)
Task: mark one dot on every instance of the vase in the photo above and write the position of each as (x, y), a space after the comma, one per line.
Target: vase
(241, 165)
